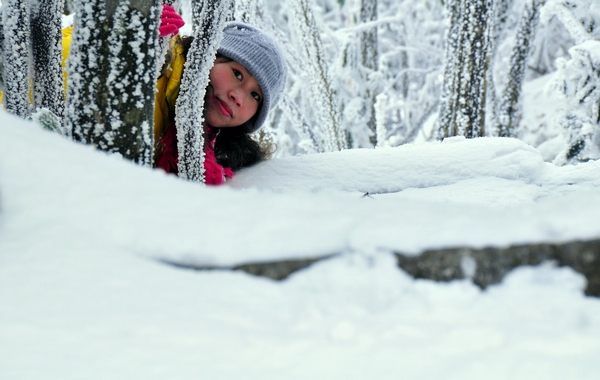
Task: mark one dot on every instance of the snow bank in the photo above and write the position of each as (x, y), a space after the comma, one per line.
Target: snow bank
(64, 196)
(82, 297)
(396, 169)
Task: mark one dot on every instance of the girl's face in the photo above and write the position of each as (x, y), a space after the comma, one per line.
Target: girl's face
(233, 95)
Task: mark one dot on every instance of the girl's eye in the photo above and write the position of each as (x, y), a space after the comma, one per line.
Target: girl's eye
(237, 74)
(256, 96)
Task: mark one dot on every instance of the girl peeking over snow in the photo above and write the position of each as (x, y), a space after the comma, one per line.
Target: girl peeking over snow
(245, 83)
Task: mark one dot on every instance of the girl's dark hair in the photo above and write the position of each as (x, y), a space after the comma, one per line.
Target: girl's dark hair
(234, 148)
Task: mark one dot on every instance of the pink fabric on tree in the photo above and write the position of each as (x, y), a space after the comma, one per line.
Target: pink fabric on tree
(170, 22)
(214, 174)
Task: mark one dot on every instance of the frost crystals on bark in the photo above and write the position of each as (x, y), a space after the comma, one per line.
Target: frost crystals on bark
(189, 107)
(200, 8)
(308, 38)
(111, 76)
(46, 44)
(462, 108)
(15, 20)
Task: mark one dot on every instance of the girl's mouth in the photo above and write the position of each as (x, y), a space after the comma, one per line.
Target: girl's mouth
(224, 108)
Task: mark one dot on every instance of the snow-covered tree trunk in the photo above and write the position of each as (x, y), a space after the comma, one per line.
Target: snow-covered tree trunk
(197, 7)
(189, 107)
(133, 47)
(84, 69)
(509, 113)
(15, 20)
(369, 60)
(462, 108)
(501, 15)
(200, 8)
(46, 45)
(451, 71)
(111, 83)
(308, 37)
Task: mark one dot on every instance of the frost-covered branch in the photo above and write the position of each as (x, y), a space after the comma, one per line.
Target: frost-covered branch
(189, 118)
(301, 126)
(307, 36)
(201, 8)
(577, 80)
(375, 23)
(559, 9)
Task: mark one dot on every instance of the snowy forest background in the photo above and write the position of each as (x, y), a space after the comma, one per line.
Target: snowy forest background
(96, 252)
(363, 73)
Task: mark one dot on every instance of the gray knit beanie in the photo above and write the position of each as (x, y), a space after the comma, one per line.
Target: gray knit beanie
(262, 57)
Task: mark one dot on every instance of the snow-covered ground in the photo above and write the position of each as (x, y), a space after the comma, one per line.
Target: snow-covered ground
(82, 294)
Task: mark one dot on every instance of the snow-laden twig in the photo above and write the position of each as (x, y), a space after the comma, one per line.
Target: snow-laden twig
(577, 81)
(365, 26)
(301, 126)
(572, 24)
(307, 36)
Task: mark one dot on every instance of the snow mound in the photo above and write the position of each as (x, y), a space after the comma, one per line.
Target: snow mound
(395, 169)
(61, 196)
(82, 297)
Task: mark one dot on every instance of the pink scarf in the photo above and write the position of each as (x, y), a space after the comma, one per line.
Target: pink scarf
(214, 173)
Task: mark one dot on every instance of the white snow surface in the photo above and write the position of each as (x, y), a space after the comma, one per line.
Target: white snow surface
(84, 295)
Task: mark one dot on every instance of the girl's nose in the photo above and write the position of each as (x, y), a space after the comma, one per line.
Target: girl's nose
(236, 96)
